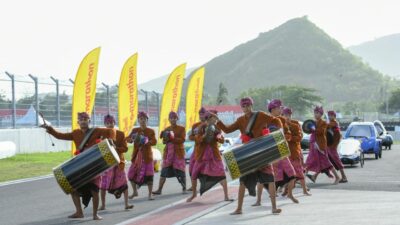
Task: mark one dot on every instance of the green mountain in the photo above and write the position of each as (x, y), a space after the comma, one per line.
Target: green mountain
(158, 84)
(295, 53)
(382, 54)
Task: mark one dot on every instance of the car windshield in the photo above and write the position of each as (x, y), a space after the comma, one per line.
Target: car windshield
(378, 128)
(360, 131)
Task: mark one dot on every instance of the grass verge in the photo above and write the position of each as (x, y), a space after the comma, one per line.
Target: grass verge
(37, 164)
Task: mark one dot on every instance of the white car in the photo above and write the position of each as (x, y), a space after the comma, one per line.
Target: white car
(350, 152)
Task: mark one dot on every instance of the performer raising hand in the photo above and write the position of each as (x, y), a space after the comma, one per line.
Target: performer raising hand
(84, 138)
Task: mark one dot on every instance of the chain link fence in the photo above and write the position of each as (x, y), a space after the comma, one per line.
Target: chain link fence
(24, 97)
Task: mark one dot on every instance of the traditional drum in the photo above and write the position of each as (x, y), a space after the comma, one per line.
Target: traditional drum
(84, 167)
(256, 154)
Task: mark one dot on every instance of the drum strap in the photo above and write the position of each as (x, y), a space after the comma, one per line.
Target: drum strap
(86, 138)
(250, 125)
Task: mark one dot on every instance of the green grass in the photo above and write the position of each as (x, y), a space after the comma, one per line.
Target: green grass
(37, 164)
(30, 165)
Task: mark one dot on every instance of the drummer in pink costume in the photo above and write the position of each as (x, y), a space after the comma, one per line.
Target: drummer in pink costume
(264, 175)
(77, 136)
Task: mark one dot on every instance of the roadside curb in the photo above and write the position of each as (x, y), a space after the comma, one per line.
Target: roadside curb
(6, 183)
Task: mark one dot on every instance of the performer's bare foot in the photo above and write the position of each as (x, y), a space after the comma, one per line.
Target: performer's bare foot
(227, 199)
(343, 180)
(294, 200)
(337, 180)
(307, 193)
(236, 212)
(97, 217)
(257, 204)
(102, 208)
(76, 215)
(128, 207)
(190, 199)
(158, 192)
(151, 198)
(276, 211)
(285, 193)
(133, 195)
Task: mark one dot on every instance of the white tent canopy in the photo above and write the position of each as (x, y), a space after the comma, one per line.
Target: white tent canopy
(30, 118)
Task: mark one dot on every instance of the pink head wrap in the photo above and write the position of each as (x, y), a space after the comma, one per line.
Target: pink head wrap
(246, 101)
(275, 103)
(109, 119)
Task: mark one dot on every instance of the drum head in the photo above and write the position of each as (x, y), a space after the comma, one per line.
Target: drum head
(111, 149)
(307, 126)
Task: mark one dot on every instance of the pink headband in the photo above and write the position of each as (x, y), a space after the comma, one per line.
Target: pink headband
(287, 111)
(275, 103)
(332, 113)
(247, 101)
(143, 114)
(173, 115)
(202, 111)
(83, 115)
(319, 109)
(109, 119)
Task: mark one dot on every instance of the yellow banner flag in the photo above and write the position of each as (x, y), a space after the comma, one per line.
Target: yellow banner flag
(85, 87)
(171, 96)
(128, 95)
(194, 97)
